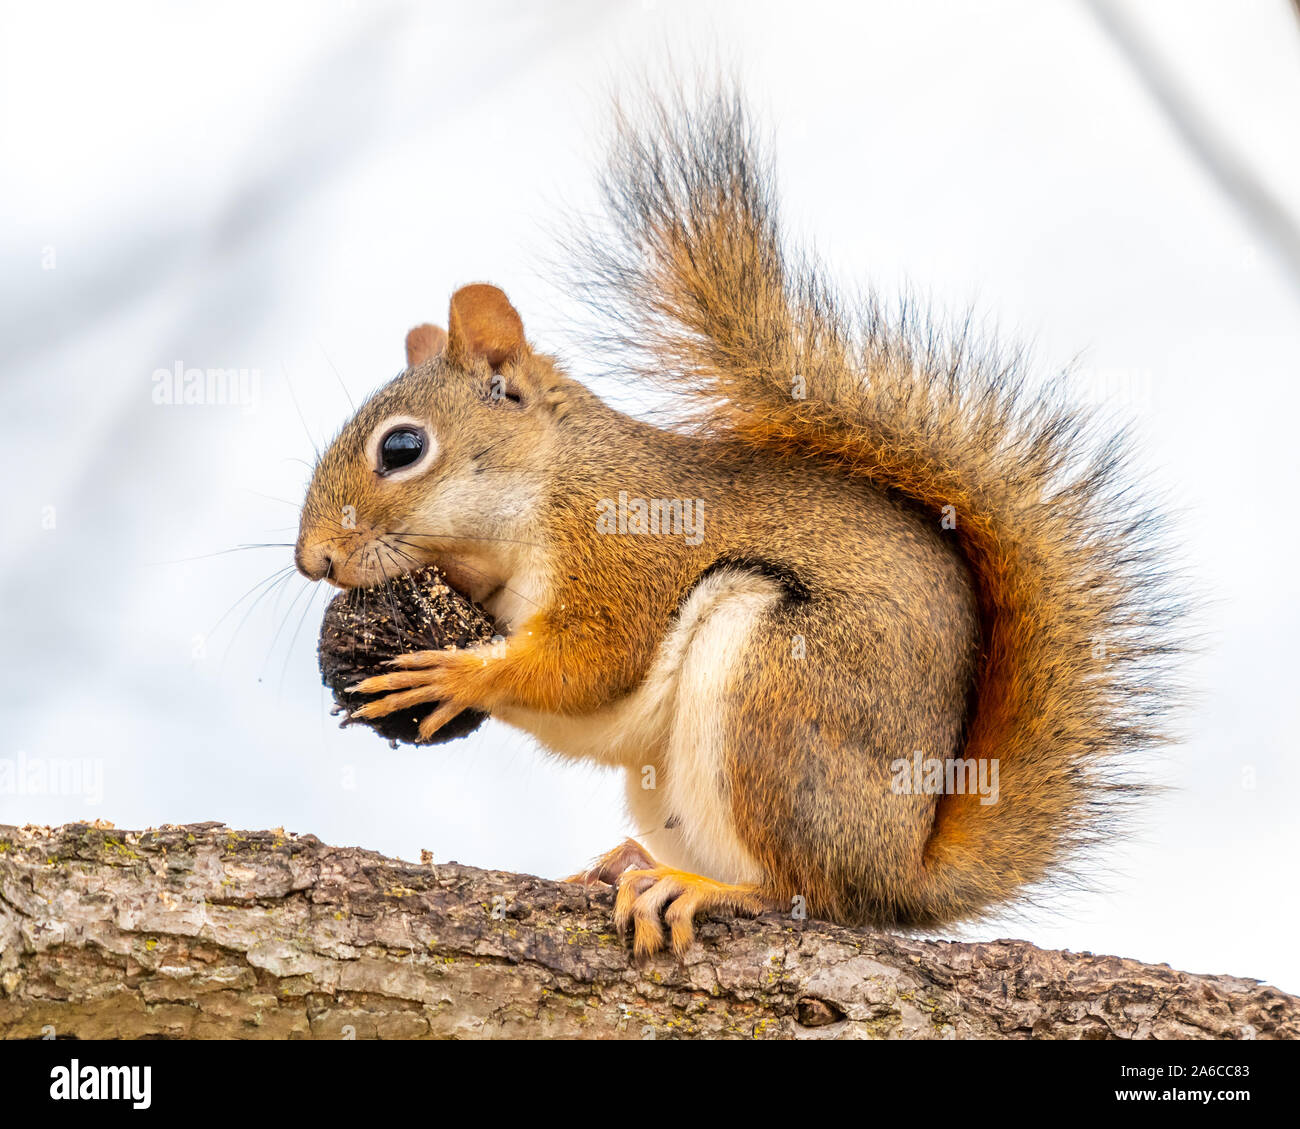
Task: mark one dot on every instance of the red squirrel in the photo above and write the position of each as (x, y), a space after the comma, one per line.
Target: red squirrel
(866, 631)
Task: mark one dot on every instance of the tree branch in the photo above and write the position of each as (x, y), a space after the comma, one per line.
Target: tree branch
(1254, 200)
(201, 931)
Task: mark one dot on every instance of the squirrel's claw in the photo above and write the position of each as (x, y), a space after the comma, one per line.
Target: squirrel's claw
(382, 707)
(643, 895)
(419, 660)
(382, 683)
(446, 712)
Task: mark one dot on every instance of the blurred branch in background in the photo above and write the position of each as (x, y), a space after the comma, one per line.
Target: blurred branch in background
(1262, 209)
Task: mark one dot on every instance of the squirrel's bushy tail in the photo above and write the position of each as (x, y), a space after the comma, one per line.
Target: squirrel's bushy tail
(1079, 620)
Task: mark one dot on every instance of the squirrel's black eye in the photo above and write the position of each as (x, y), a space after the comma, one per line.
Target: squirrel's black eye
(399, 448)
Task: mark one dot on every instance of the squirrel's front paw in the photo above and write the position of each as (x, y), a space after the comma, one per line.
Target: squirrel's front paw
(430, 676)
(644, 895)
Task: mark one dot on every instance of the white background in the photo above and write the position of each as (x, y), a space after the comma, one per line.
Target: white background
(288, 188)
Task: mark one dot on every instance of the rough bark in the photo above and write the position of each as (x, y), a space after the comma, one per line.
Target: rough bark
(202, 931)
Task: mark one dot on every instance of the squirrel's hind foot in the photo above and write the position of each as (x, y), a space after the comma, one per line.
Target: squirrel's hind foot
(628, 855)
(649, 899)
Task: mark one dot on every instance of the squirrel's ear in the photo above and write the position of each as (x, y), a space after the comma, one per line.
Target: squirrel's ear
(483, 323)
(423, 343)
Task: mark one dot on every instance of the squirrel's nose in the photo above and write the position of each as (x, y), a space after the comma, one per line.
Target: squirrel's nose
(313, 561)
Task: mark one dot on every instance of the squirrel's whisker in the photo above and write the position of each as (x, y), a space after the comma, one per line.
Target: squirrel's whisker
(281, 579)
(278, 574)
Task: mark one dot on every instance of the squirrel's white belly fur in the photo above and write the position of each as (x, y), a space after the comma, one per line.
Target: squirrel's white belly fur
(668, 734)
